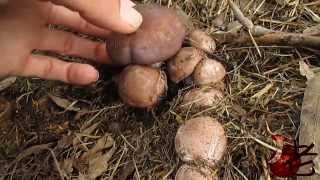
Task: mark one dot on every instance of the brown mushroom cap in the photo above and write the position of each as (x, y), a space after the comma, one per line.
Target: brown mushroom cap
(159, 37)
(208, 71)
(187, 172)
(201, 139)
(202, 40)
(202, 97)
(141, 86)
(183, 64)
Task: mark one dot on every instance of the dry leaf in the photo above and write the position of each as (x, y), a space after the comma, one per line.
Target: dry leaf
(103, 143)
(7, 82)
(64, 103)
(66, 167)
(99, 164)
(305, 70)
(92, 163)
(96, 159)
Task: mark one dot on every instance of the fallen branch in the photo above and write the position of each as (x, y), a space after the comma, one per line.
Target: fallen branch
(259, 35)
(283, 38)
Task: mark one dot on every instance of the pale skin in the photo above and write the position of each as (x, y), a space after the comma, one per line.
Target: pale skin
(24, 28)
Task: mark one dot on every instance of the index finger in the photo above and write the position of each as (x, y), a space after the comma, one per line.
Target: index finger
(116, 15)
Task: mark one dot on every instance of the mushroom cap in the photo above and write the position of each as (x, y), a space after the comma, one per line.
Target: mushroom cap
(202, 40)
(201, 139)
(183, 63)
(208, 71)
(141, 86)
(158, 38)
(202, 97)
(187, 172)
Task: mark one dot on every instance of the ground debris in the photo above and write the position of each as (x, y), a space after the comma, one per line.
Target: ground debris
(64, 103)
(33, 150)
(313, 30)
(92, 163)
(305, 70)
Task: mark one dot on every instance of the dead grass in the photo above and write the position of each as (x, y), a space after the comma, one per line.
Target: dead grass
(261, 90)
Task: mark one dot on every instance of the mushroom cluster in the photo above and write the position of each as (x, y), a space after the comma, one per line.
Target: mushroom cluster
(157, 51)
(200, 139)
(207, 74)
(163, 49)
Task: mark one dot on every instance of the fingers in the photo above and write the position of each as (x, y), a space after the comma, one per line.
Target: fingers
(116, 15)
(60, 15)
(68, 44)
(53, 69)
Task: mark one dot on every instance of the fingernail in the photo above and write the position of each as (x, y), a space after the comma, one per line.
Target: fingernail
(92, 74)
(129, 14)
(98, 76)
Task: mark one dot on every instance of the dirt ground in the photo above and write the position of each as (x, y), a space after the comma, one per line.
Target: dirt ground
(261, 90)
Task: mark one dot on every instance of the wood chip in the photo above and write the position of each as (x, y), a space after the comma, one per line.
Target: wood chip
(305, 70)
(7, 82)
(310, 121)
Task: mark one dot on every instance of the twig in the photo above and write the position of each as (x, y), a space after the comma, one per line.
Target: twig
(264, 144)
(128, 143)
(283, 38)
(239, 15)
(265, 168)
(255, 43)
(241, 173)
(118, 162)
(56, 163)
(136, 168)
(261, 35)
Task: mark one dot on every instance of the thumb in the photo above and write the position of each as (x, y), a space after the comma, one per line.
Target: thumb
(115, 15)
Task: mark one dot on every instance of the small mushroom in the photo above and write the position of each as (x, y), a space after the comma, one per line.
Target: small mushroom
(5, 113)
(183, 63)
(201, 139)
(202, 97)
(158, 38)
(208, 71)
(188, 172)
(203, 41)
(141, 86)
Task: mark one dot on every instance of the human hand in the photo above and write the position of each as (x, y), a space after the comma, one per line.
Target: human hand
(24, 28)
